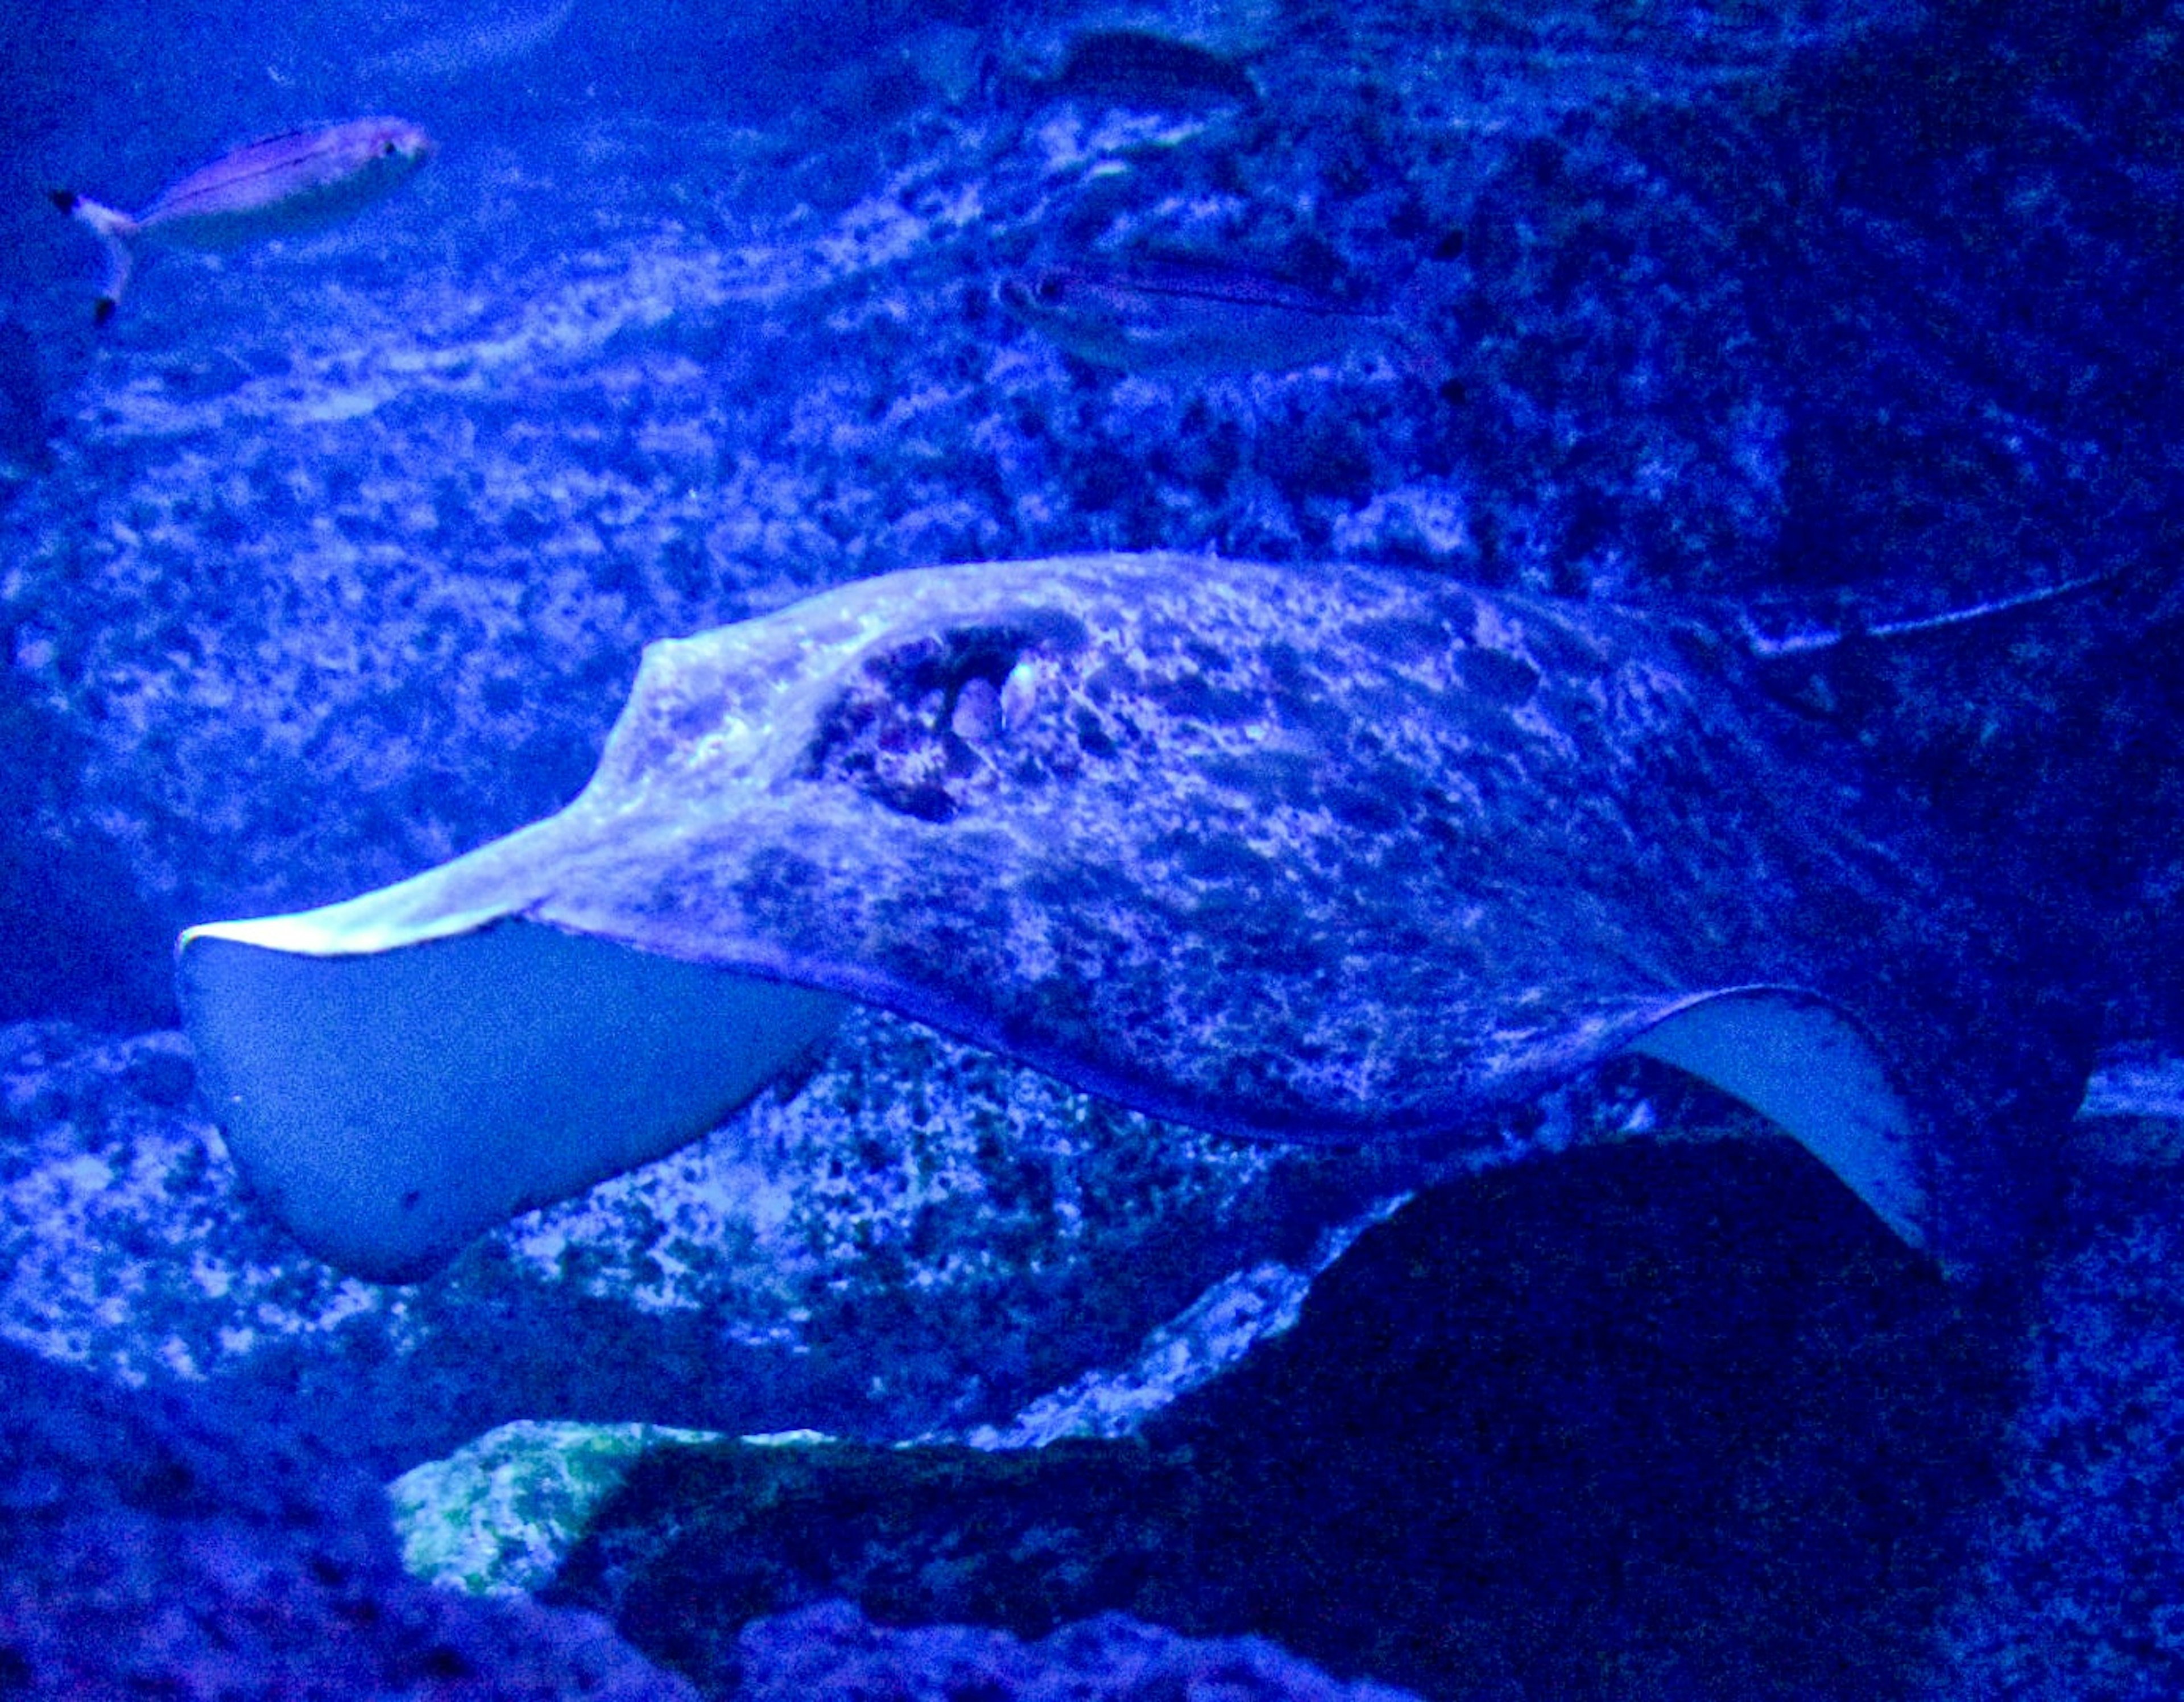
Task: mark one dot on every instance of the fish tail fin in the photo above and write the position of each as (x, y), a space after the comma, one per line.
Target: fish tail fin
(111, 228)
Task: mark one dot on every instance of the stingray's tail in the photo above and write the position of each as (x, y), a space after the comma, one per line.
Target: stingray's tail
(111, 228)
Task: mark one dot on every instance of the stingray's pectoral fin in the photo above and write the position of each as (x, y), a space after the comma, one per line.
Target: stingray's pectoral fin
(389, 1104)
(1801, 1063)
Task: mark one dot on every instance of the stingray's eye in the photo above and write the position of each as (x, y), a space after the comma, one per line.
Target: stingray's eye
(1049, 287)
(386, 148)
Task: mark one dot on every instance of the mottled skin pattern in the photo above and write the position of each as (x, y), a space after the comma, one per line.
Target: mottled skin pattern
(1329, 854)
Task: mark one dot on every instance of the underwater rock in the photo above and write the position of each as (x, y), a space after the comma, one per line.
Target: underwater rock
(832, 1653)
(496, 1516)
(159, 1546)
(500, 1514)
(1338, 856)
(887, 1254)
(2073, 1585)
(1667, 1419)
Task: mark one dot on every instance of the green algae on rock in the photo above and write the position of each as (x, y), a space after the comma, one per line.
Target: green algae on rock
(496, 1516)
(1339, 855)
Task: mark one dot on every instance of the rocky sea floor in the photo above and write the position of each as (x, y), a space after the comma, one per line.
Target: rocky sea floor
(339, 561)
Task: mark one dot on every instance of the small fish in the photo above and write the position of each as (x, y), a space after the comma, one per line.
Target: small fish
(1203, 316)
(286, 183)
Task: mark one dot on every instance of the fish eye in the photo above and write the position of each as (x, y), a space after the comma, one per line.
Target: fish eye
(387, 148)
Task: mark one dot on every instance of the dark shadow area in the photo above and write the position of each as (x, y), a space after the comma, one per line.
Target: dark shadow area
(1958, 245)
(157, 1546)
(76, 941)
(1646, 1422)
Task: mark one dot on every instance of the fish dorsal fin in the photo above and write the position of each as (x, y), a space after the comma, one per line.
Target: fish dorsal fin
(1803, 1065)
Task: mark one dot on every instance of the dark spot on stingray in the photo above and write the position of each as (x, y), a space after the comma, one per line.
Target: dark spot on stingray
(165, 1485)
(411, 1199)
(1099, 684)
(32, 1489)
(1498, 674)
(1397, 638)
(1286, 667)
(1218, 862)
(1091, 736)
(928, 802)
(1364, 809)
(903, 729)
(1137, 68)
(1312, 712)
(1194, 698)
(1450, 246)
(1267, 777)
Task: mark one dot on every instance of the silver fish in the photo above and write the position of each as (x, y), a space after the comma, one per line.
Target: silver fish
(1202, 316)
(283, 184)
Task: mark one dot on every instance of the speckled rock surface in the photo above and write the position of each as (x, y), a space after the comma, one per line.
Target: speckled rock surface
(2076, 1587)
(500, 1515)
(924, 1237)
(156, 1547)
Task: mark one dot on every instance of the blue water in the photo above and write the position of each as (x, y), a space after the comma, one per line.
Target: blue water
(331, 556)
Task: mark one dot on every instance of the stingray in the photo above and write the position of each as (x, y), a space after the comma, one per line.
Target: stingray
(1332, 855)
